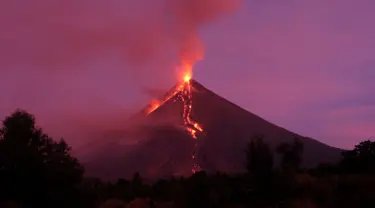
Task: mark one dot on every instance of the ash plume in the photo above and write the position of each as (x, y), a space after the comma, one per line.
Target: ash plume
(190, 16)
(60, 32)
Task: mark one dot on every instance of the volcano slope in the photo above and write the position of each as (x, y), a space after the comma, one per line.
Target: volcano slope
(221, 147)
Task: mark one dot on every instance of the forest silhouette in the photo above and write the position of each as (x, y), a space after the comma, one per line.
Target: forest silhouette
(39, 171)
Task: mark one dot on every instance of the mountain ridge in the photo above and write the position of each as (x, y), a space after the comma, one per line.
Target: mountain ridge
(227, 129)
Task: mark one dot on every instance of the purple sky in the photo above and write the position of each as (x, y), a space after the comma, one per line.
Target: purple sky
(306, 65)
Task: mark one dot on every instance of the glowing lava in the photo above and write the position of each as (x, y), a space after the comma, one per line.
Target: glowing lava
(187, 78)
(184, 93)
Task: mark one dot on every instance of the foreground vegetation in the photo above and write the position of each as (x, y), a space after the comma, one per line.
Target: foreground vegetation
(36, 171)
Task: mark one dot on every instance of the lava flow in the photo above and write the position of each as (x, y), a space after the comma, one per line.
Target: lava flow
(184, 93)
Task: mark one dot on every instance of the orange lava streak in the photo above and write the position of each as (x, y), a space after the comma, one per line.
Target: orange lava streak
(184, 92)
(155, 104)
(191, 126)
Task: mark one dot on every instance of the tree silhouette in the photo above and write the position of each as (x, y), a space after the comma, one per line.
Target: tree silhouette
(259, 158)
(291, 155)
(138, 187)
(197, 190)
(34, 169)
(359, 160)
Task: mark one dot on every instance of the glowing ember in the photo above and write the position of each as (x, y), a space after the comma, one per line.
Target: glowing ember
(154, 104)
(184, 92)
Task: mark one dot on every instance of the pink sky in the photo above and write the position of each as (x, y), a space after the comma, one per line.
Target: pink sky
(306, 65)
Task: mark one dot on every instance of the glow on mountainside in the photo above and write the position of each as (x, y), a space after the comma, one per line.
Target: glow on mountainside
(184, 93)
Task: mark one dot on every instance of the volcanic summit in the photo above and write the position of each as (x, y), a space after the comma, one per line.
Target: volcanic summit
(173, 145)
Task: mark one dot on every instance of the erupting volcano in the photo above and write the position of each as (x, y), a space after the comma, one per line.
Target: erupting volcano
(192, 121)
(184, 92)
(191, 128)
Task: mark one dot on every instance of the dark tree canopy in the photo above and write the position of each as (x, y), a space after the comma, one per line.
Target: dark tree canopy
(291, 155)
(33, 167)
(259, 164)
(259, 157)
(361, 159)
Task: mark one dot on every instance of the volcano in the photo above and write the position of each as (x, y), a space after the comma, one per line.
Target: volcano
(168, 147)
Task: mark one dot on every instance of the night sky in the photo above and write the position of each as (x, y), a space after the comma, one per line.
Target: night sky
(78, 65)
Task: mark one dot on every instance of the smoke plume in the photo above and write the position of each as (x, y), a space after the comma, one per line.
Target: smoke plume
(55, 33)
